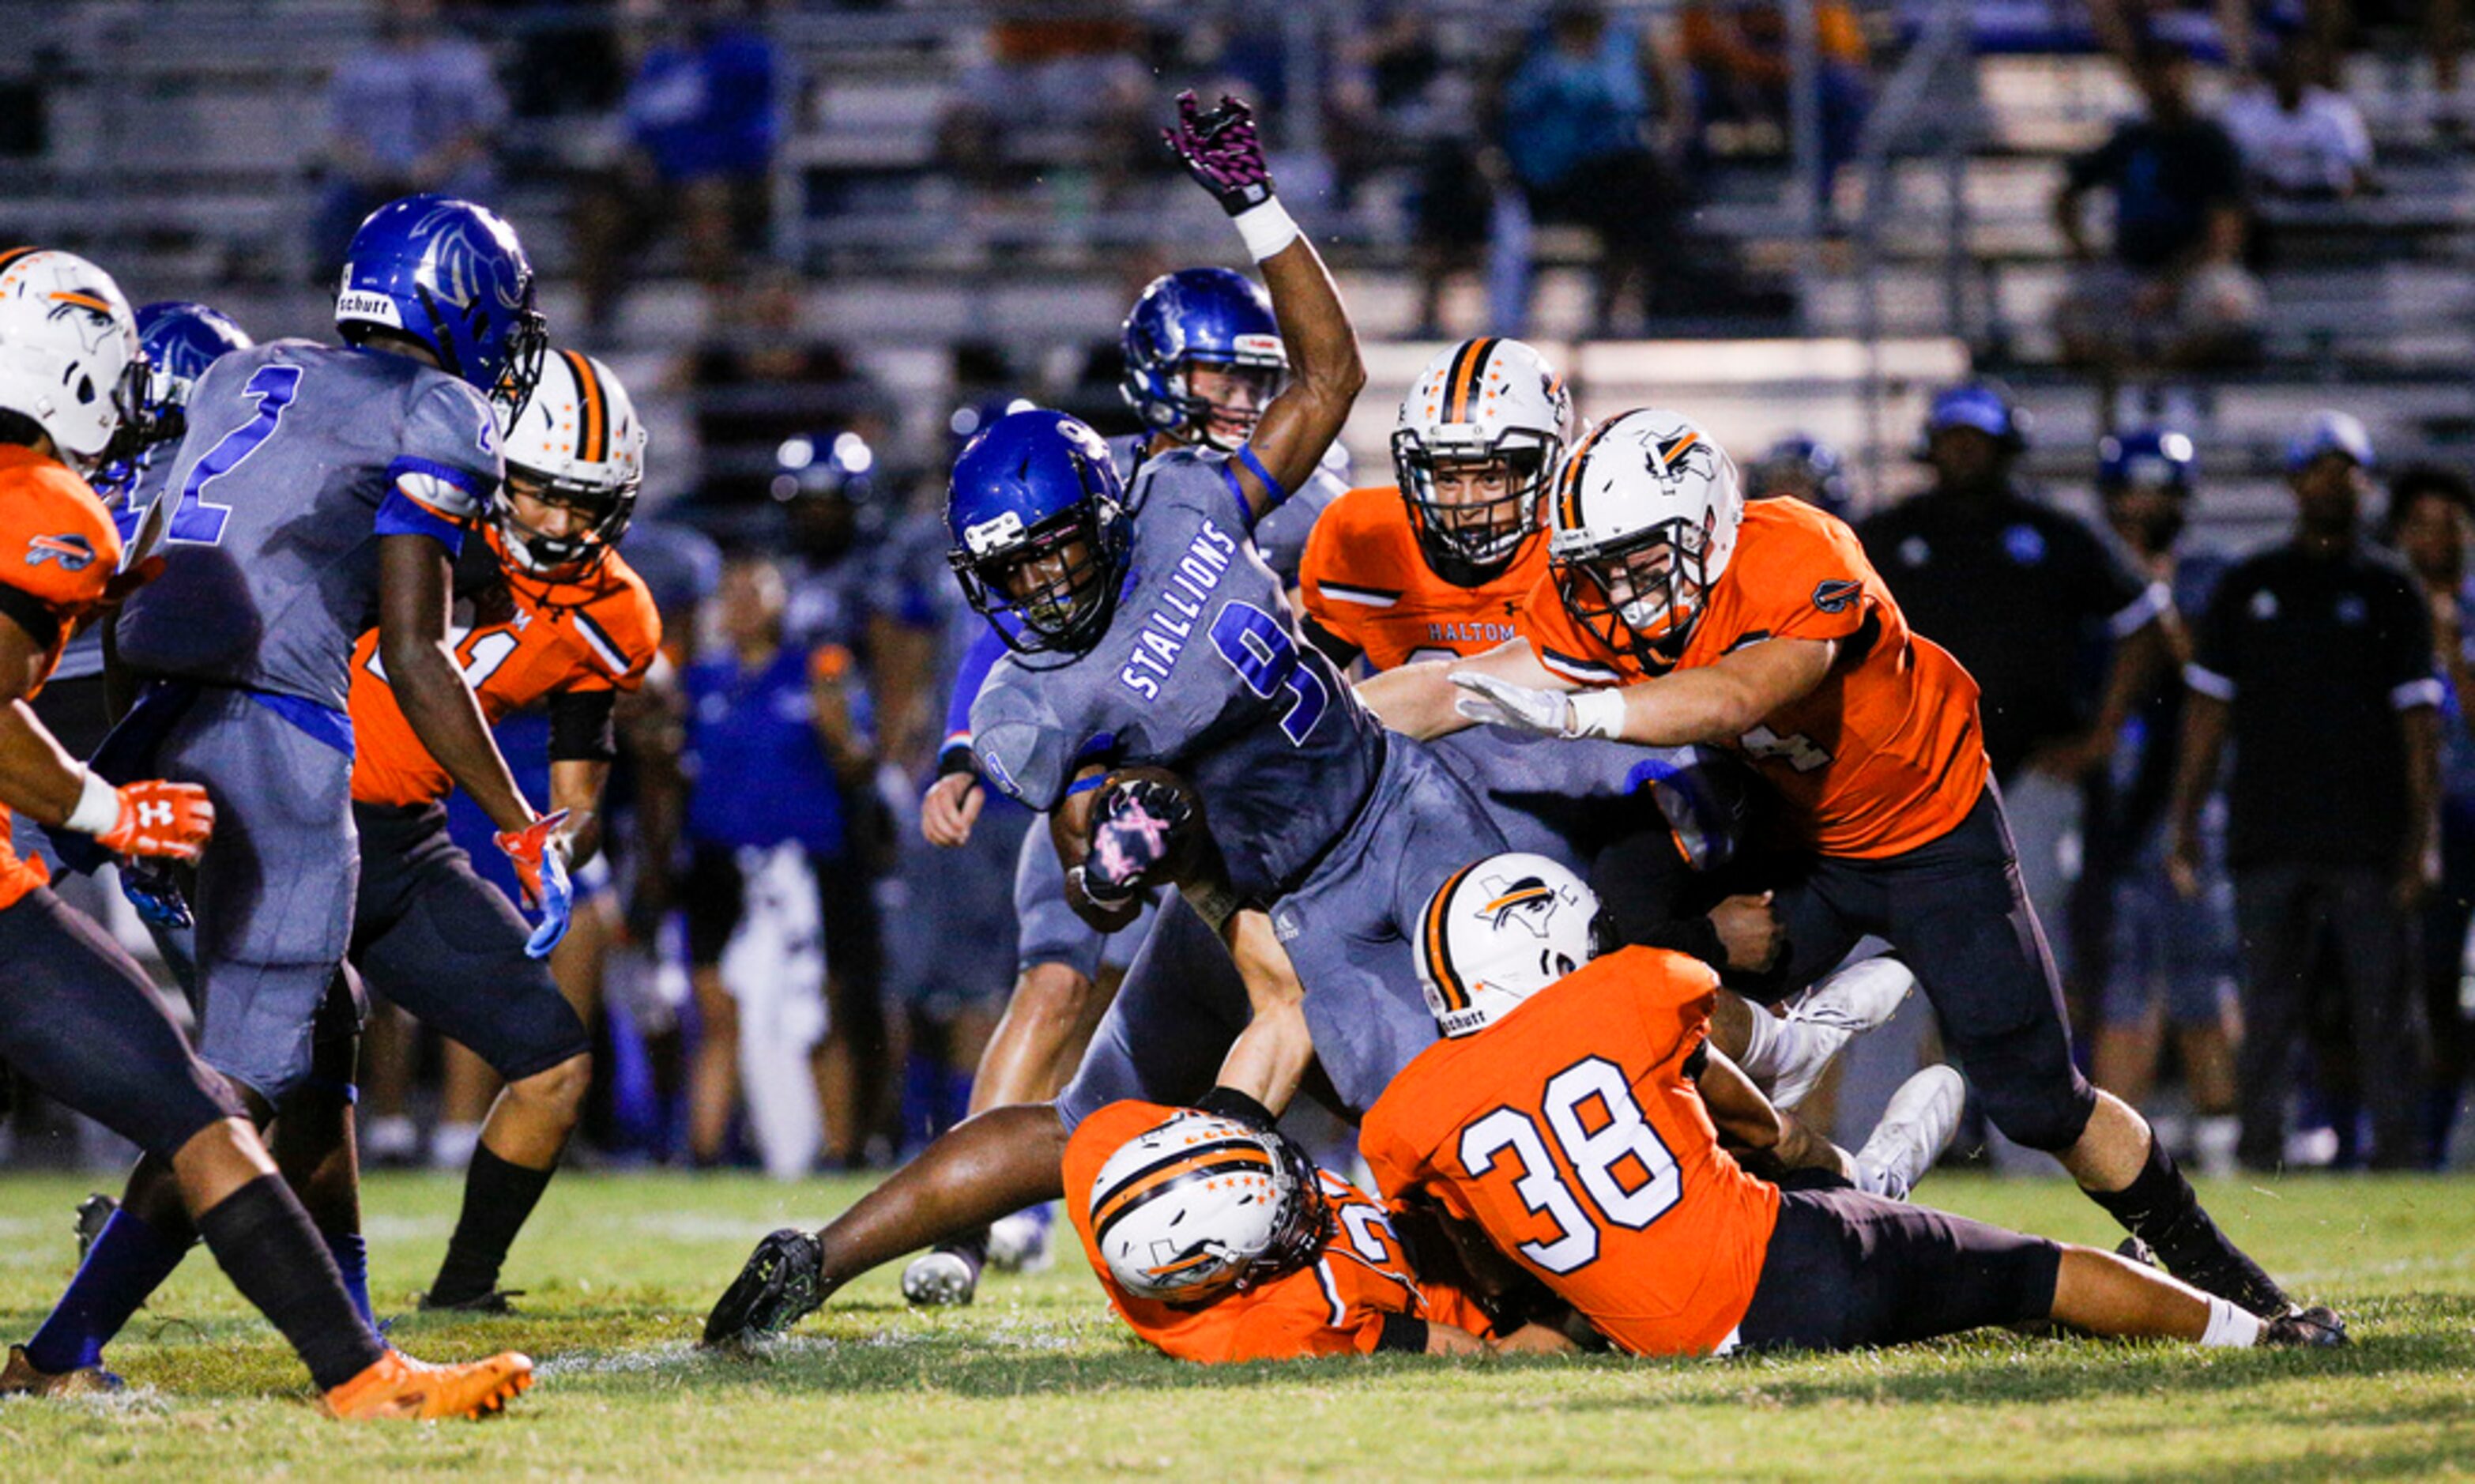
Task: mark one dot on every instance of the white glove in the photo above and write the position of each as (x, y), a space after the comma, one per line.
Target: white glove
(1501, 703)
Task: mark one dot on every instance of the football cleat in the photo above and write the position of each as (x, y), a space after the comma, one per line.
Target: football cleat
(1915, 1130)
(2133, 1250)
(93, 1214)
(20, 1378)
(1839, 1008)
(942, 1278)
(2317, 1327)
(495, 1300)
(781, 1285)
(396, 1387)
(1019, 1243)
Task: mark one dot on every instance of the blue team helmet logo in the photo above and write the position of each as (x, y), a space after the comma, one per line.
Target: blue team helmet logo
(472, 252)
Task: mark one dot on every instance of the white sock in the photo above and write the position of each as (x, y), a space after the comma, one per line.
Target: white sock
(452, 1145)
(2231, 1328)
(1763, 1043)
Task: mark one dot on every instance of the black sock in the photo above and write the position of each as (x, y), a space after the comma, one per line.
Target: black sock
(2162, 1209)
(273, 1257)
(971, 1246)
(498, 1198)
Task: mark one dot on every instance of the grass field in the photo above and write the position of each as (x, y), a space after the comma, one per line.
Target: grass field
(1037, 1381)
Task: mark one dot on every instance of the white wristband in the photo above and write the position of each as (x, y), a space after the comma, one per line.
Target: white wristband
(98, 807)
(1267, 229)
(1597, 712)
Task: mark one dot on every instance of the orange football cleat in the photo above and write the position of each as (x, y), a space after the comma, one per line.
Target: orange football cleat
(399, 1386)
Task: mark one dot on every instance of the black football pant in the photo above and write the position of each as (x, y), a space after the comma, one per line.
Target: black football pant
(1956, 914)
(78, 1019)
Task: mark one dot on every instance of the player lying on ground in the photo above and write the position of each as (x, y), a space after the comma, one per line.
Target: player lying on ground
(1560, 1115)
(78, 1017)
(1673, 614)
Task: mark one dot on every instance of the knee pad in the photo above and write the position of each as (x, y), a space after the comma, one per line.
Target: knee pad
(2039, 1111)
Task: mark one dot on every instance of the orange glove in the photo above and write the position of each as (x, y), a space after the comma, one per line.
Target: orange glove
(160, 819)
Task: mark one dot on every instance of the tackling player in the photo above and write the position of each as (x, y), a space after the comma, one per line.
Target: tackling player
(81, 1018)
(1560, 1115)
(315, 485)
(1220, 1242)
(1676, 614)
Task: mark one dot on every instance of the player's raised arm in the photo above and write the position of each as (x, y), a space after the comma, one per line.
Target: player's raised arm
(1221, 150)
(1422, 700)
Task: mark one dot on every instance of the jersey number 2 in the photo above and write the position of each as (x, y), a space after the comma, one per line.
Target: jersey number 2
(199, 519)
(1625, 1169)
(1258, 649)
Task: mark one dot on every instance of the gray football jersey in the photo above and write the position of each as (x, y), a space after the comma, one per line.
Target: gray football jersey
(298, 458)
(83, 655)
(1202, 672)
(1281, 537)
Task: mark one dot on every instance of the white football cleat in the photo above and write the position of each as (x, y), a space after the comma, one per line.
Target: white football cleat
(1839, 1008)
(1915, 1130)
(942, 1278)
(1019, 1243)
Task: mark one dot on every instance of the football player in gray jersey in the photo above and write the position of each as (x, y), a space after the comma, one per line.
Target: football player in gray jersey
(319, 489)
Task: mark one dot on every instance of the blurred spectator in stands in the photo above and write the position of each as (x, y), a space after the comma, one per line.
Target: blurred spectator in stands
(2171, 961)
(702, 123)
(1398, 101)
(2298, 139)
(414, 112)
(2314, 659)
(568, 58)
(1072, 92)
(1591, 122)
(777, 741)
(1743, 73)
(2063, 636)
(2172, 293)
(759, 378)
(2431, 520)
(1802, 467)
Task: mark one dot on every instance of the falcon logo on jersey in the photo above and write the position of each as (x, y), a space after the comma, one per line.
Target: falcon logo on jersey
(73, 551)
(1671, 460)
(1834, 595)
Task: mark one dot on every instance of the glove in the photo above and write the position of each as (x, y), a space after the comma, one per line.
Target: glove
(541, 871)
(158, 818)
(1139, 826)
(1221, 151)
(1501, 703)
(159, 901)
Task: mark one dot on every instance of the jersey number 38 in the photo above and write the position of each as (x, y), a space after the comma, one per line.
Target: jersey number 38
(1628, 1177)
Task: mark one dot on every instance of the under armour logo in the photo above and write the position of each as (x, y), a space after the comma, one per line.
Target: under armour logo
(73, 551)
(154, 815)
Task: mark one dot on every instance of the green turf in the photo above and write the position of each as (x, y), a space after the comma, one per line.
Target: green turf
(1036, 1381)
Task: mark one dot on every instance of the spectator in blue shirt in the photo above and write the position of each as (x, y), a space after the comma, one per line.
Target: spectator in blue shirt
(778, 749)
(702, 121)
(416, 111)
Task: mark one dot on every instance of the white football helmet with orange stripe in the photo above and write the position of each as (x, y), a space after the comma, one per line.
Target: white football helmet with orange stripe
(1202, 1205)
(69, 358)
(1645, 520)
(1484, 402)
(1498, 932)
(576, 442)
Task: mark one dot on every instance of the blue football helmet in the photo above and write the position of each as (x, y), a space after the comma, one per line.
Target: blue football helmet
(181, 340)
(2147, 458)
(1037, 491)
(452, 277)
(1213, 316)
(1805, 468)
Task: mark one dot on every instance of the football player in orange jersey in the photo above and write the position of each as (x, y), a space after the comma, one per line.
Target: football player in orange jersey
(1219, 1242)
(1560, 1113)
(79, 1018)
(550, 613)
(1673, 614)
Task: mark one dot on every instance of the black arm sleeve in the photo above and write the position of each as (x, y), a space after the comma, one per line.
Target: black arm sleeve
(1403, 1334)
(1341, 651)
(580, 726)
(1236, 1107)
(32, 614)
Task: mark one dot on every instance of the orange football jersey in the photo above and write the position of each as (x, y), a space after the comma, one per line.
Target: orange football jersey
(1335, 1307)
(58, 552)
(1570, 1132)
(599, 634)
(1887, 754)
(1365, 582)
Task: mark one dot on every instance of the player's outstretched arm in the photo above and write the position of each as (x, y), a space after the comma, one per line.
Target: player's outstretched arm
(39, 777)
(1219, 149)
(415, 587)
(575, 786)
(1421, 700)
(1710, 703)
(1270, 1057)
